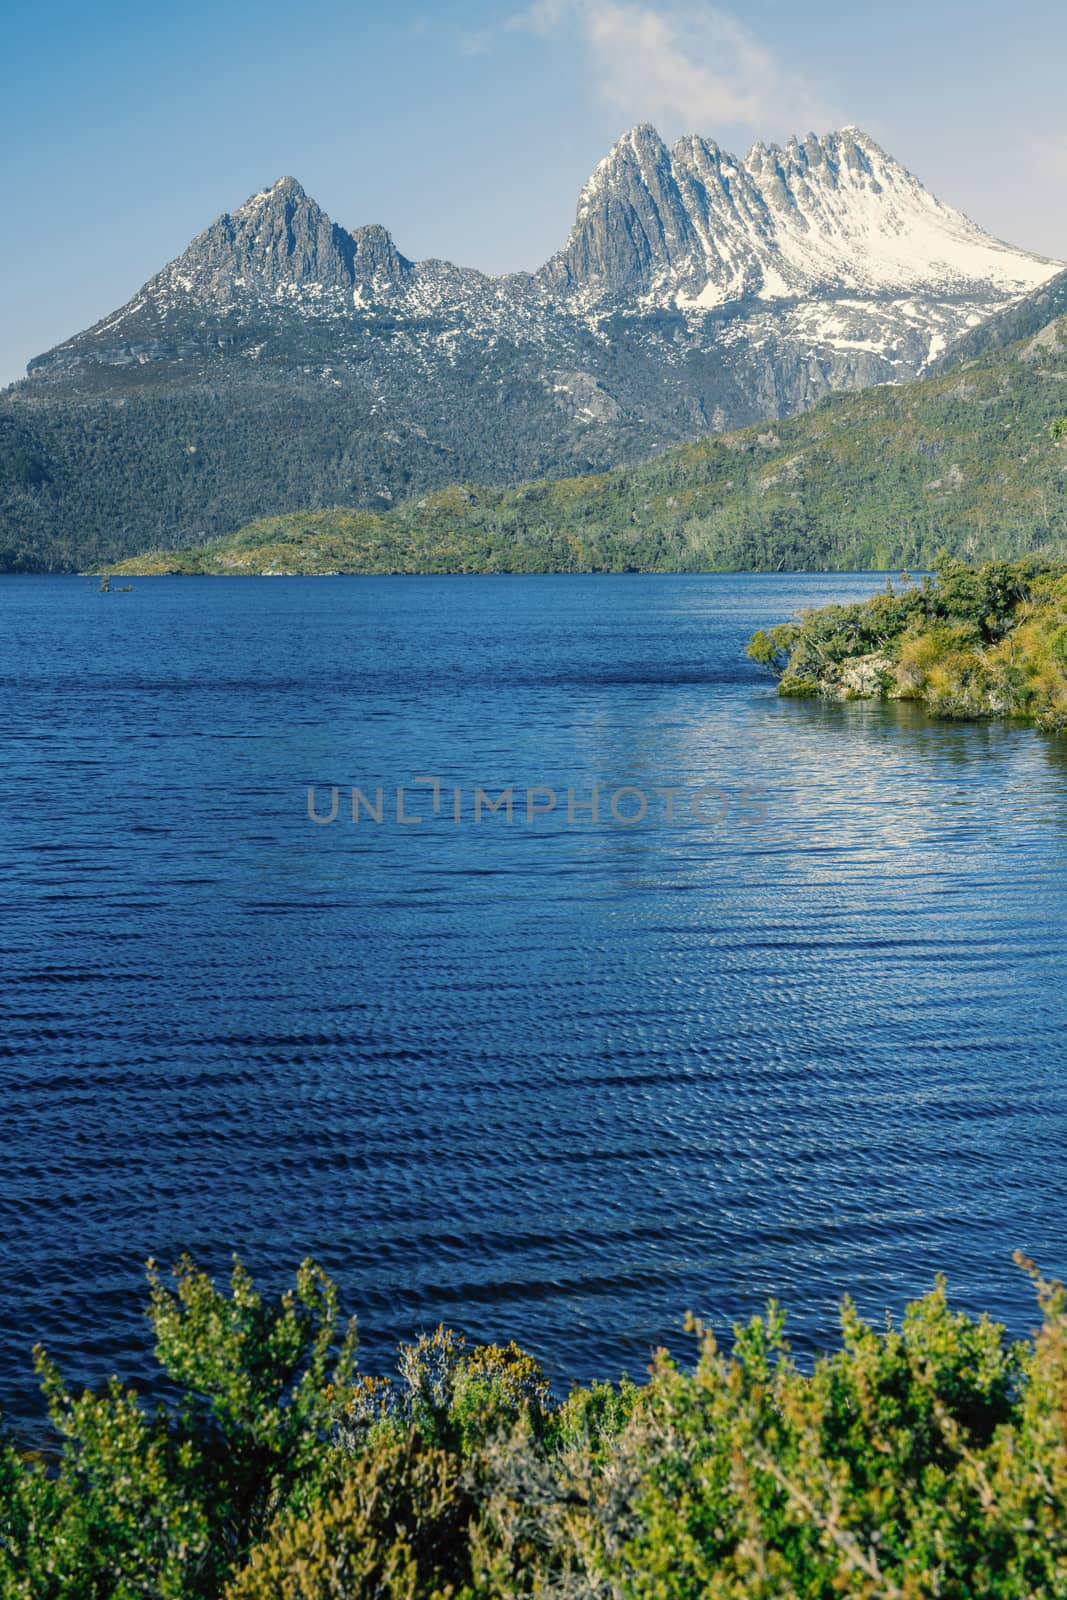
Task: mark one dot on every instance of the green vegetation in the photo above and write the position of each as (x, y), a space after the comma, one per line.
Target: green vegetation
(973, 458)
(987, 641)
(929, 1459)
(256, 419)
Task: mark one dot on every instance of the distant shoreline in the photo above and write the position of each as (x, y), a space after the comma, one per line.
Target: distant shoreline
(633, 572)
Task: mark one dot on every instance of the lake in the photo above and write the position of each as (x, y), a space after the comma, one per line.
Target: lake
(795, 1028)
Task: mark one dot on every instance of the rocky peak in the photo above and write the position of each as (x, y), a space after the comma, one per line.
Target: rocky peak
(850, 157)
(696, 227)
(283, 189)
(632, 220)
(827, 243)
(277, 242)
(376, 260)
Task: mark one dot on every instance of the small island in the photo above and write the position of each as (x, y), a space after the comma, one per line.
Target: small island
(987, 641)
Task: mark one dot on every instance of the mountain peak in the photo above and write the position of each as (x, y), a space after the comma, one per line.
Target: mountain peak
(852, 134)
(695, 227)
(630, 216)
(696, 291)
(289, 188)
(824, 235)
(280, 241)
(642, 136)
(639, 146)
(283, 191)
(852, 130)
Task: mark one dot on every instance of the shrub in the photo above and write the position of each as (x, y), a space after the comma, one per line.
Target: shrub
(926, 1459)
(773, 648)
(982, 641)
(167, 1502)
(396, 1529)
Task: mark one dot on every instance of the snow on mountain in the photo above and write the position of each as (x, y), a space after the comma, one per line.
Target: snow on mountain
(283, 361)
(696, 289)
(696, 227)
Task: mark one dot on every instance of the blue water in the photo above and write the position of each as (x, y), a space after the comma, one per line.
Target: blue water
(551, 1081)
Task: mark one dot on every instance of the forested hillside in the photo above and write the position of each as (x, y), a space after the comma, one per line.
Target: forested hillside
(969, 459)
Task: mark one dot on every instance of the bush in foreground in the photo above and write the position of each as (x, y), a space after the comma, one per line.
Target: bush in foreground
(928, 1459)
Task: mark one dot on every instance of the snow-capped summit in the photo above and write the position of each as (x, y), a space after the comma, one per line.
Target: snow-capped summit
(698, 289)
(857, 257)
(696, 227)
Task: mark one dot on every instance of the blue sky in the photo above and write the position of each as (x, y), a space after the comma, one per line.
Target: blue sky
(468, 128)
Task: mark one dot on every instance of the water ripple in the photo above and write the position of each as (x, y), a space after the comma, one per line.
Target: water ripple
(550, 1082)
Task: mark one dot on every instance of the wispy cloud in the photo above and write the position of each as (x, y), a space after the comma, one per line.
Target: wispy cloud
(692, 65)
(475, 42)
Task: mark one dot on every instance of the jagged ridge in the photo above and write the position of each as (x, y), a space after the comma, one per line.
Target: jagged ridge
(691, 229)
(283, 361)
(697, 224)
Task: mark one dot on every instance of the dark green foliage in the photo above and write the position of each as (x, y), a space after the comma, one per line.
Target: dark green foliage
(165, 1503)
(969, 458)
(926, 1460)
(260, 419)
(986, 597)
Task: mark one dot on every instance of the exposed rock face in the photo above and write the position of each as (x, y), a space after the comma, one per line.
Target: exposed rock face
(695, 225)
(696, 291)
(376, 261)
(278, 240)
(1033, 314)
(826, 256)
(581, 396)
(632, 222)
(863, 676)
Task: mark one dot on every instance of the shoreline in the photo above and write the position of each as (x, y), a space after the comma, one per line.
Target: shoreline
(972, 643)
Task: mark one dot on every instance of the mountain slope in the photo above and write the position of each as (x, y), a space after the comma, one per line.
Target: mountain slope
(283, 362)
(1017, 321)
(966, 459)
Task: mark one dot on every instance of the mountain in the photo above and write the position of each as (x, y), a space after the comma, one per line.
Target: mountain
(1029, 315)
(283, 361)
(967, 458)
(695, 227)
